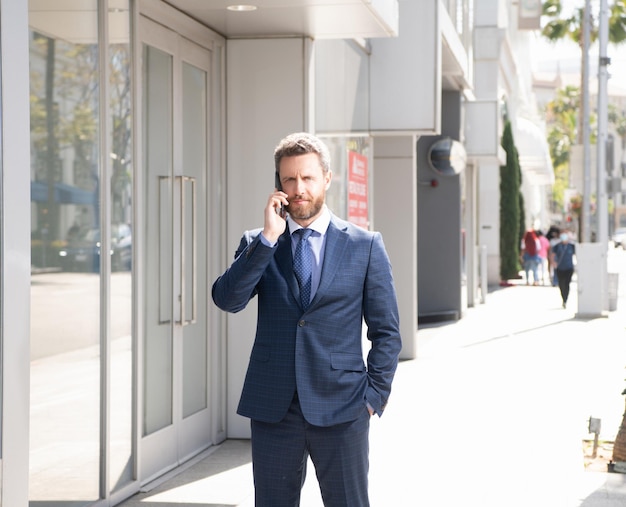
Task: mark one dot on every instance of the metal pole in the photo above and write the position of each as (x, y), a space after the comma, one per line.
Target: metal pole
(586, 204)
(602, 211)
(603, 75)
(591, 269)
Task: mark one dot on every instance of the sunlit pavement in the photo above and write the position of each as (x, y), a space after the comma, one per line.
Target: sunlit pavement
(492, 413)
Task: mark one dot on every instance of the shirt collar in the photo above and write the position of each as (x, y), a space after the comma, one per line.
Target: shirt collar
(320, 225)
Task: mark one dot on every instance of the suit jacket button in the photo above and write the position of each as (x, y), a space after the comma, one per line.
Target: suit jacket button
(301, 323)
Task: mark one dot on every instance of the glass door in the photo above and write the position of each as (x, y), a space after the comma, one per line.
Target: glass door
(175, 416)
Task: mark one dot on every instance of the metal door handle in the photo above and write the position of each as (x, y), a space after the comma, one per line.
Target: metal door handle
(162, 211)
(183, 252)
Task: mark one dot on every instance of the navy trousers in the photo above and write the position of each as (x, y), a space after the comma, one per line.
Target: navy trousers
(564, 276)
(339, 453)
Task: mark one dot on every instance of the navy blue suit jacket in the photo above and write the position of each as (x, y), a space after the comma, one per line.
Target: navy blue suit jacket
(317, 352)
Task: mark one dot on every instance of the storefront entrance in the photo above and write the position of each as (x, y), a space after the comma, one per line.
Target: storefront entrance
(175, 338)
(126, 359)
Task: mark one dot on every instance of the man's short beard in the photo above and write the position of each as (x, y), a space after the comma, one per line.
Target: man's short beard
(311, 210)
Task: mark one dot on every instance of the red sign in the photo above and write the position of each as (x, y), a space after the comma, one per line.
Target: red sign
(357, 189)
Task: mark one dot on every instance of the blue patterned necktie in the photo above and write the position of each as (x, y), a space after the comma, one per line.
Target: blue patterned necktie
(303, 266)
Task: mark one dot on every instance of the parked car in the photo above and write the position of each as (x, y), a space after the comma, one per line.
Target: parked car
(83, 251)
(619, 238)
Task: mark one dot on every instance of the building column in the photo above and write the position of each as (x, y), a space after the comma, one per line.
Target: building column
(394, 214)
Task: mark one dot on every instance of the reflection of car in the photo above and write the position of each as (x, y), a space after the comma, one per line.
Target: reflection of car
(619, 237)
(121, 248)
(83, 251)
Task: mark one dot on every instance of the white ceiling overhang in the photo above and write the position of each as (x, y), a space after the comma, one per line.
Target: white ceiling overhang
(76, 20)
(320, 19)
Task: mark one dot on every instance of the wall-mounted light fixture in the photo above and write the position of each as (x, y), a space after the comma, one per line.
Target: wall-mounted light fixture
(447, 157)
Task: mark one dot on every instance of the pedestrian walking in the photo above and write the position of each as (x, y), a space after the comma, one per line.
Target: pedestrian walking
(563, 254)
(308, 391)
(530, 256)
(554, 234)
(544, 249)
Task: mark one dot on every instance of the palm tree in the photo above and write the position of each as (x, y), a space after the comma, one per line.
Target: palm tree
(561, 120)
(572, 28)
(617, 22)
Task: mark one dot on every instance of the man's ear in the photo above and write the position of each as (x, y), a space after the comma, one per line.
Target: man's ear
(328, 177)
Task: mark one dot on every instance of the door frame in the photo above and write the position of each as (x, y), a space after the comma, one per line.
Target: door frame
(14, 254)
(150, 11)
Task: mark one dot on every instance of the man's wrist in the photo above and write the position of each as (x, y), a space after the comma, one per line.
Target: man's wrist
(266, 241)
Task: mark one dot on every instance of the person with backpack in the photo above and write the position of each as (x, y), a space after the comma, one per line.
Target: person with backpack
(530, 255)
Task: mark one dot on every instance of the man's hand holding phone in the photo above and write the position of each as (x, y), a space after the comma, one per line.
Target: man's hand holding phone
(275, 222)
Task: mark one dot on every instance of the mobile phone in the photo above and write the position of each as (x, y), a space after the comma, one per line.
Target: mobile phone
(281, 209)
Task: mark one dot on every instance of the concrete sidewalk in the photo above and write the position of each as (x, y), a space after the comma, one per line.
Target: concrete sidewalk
(492, 413)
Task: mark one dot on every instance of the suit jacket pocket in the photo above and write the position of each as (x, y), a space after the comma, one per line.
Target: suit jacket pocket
(346, 361)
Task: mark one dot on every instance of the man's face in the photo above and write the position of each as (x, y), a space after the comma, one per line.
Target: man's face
(305, 183)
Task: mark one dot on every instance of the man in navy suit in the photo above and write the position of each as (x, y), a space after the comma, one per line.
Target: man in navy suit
(308, 390)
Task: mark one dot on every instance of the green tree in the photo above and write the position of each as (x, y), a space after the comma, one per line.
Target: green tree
(618, 119)
(571, 27)
(522, 204)
(561, 114)
(509, 208)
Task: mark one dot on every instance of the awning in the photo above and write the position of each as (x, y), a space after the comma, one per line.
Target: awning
(534, 153)
(63, 193)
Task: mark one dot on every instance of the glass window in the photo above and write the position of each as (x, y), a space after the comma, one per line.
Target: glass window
(339, 195)
(121, 238)
(195, 388)
(341, 87)
(65, 249)
(158, 146)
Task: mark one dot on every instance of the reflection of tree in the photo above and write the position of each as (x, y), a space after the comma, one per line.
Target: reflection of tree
(44, 123)
(64, 126)
(80, 128)
(120, 107)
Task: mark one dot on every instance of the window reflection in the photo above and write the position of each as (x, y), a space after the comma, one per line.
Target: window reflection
(340, 147)
(66, 177)
(65, 293)
(120, 105)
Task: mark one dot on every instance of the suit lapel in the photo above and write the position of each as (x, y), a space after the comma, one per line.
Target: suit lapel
(335, 249)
